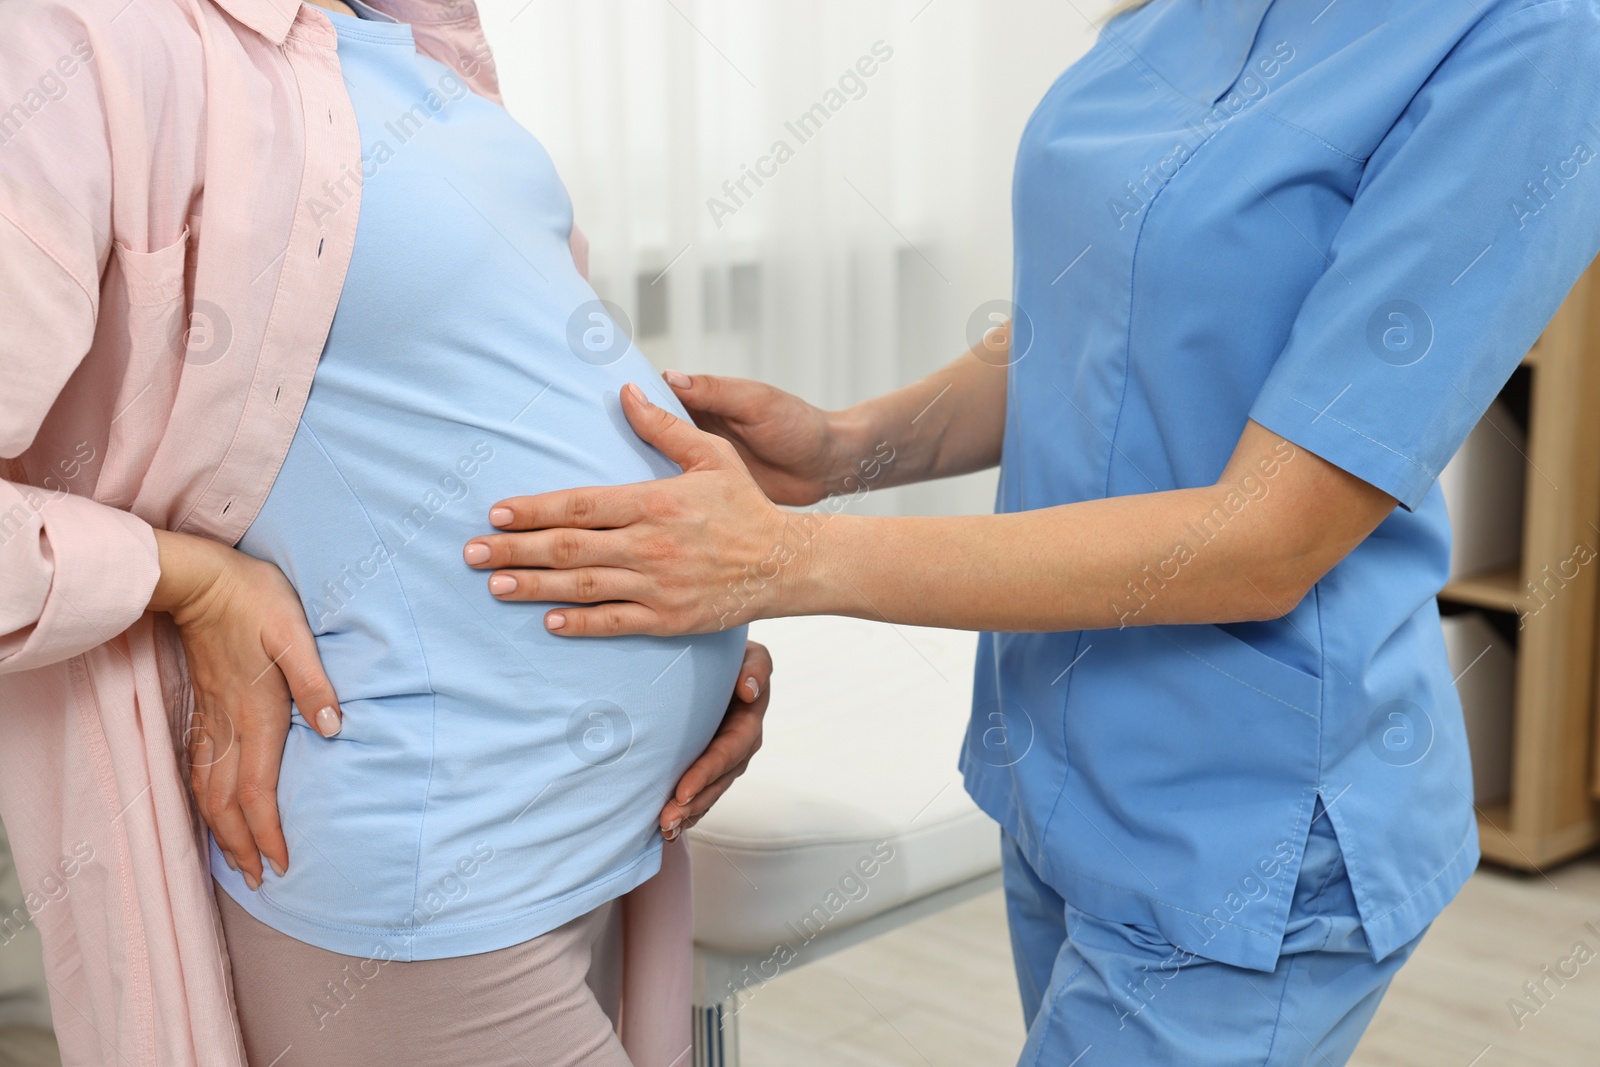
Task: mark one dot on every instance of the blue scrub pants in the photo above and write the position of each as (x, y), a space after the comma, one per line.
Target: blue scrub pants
(1097, 992)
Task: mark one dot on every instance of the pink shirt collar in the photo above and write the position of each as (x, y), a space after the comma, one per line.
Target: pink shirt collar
(272, 18)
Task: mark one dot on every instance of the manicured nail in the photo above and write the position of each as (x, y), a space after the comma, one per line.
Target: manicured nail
(477, 553)
(555, 620)
(251, 880)
(670, 833)
(233, 864)
(277, 868)
(328, 722)
(501, 584)
(677, 379)
(500, 516)
(754, 687)
(637, 393)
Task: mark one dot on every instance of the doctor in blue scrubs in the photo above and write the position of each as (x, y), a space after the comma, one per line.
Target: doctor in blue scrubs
(1274, 258)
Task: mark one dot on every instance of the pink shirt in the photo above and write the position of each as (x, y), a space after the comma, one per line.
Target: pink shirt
(168, 164)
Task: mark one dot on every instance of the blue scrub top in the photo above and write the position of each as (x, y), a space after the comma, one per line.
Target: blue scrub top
(1347, 222)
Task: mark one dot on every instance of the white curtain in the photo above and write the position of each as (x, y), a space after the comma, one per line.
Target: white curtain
(814, 194)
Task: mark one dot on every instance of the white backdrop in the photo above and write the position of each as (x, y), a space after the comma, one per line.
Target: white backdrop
(882, 223)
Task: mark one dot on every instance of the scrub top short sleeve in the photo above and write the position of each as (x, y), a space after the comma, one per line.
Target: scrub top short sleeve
(1472, 216)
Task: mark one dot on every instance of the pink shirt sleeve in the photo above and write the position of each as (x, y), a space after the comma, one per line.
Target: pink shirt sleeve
(580, 251)
(73, 573)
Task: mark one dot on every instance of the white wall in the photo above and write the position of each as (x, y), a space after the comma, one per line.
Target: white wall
(856, 267)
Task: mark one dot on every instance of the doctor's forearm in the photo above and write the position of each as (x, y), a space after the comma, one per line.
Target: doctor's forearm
(1095, 565)
(1247, 548)
(951, 422)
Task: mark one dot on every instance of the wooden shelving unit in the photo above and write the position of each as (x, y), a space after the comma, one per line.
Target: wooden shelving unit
(1496, 590)
(1552, 813)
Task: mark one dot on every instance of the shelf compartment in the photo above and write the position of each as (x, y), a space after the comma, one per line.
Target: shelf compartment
(1498, 590)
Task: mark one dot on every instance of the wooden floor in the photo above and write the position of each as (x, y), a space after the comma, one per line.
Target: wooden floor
(940, 993)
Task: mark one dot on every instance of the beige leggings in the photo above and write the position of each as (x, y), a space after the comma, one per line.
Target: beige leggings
(549, 1002)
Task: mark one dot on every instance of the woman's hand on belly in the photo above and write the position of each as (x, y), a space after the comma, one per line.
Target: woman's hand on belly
(728, 755)
(250, 651)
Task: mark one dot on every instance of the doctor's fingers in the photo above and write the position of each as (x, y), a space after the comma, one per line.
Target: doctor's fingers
(592, 508)
(585, 585)
(561, 549)
(724, 400)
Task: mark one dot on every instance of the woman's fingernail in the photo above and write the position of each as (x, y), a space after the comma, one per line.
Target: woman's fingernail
(754, 687)
(637, 393)
(555, 620)
(677, 379)
(500, 516)
(476, 553)
(233, 864)
(328, 722)
(251, 880)
(501, 584)
(277, 868)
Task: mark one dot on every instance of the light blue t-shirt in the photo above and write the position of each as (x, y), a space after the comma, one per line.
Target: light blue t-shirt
(1348, 222)
(492, 781)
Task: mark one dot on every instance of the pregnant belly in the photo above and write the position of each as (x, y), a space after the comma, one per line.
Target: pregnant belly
(554, 760)
(469, 730)
(562, 783)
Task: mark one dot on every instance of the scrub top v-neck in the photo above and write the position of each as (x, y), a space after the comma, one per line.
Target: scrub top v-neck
(1347, 222)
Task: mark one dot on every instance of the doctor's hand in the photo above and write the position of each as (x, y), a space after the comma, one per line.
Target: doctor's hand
(728, 755)
(249, 651)
(795, 451)
(693, 554)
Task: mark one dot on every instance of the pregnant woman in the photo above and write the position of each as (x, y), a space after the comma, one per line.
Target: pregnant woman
(486, 786)
(433, 875)
(1274, 258)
